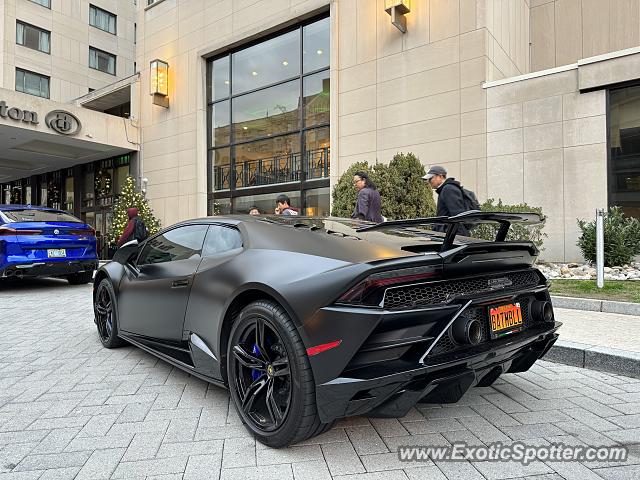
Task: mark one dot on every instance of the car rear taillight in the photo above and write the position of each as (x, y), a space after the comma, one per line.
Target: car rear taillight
(370, 291)
(91, 232)
(5, 231)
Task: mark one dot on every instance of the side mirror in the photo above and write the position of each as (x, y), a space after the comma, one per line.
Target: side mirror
(126, 252)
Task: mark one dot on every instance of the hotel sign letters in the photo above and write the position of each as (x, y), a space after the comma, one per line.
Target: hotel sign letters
(60, 121)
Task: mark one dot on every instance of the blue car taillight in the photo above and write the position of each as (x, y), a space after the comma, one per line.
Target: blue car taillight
(8, 231)
(370, 291)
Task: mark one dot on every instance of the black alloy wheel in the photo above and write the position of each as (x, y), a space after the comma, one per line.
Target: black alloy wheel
(270, 378)
(262, 375)
(105, 315)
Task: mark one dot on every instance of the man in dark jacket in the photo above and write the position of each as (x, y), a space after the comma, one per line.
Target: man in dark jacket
(368, 202)
(450, 198)
(130, 229)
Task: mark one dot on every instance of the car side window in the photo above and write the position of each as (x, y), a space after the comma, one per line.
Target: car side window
(180, 243)
(221, 239)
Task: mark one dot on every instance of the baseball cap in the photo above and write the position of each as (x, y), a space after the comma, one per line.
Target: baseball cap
(433, 171)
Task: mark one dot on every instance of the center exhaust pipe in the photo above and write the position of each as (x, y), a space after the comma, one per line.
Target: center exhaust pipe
(467, 331)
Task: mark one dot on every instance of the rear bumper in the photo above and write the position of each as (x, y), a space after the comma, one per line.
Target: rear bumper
(47, 268)
(392, 388)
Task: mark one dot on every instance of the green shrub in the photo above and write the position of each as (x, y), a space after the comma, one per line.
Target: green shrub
(403, 192)
(621, 238)
(517, 232)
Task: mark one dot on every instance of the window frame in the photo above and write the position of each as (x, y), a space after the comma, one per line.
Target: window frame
(40, 31)
(108, 13)
(97, 50)
(25, 72)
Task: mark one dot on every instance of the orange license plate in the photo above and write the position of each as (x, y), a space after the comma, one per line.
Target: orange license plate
(505, 319)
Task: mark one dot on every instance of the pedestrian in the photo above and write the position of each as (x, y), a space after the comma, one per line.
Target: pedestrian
(368, 203)
(254, 211)
(283, 206)
(451, 198)
(135, 229)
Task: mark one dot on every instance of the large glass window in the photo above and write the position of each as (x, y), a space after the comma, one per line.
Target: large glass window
(269, 111)
(33, 37)
(102, 19)
(32, 83)
(624, 137)
(103, 61)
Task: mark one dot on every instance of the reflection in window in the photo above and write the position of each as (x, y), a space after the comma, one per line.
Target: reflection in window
(317, 202)
(275, 160)
(267, 112)
(221, 239)
(220, 122)
(32, 83)
(279, 114)
(317, 153)
(266, 203)
(316, 46)
(624, 168)
(316, 99)
(267, 63)
(219, 85)
(181, 243)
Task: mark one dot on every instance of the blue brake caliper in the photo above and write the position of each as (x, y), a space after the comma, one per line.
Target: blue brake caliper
(255, 374)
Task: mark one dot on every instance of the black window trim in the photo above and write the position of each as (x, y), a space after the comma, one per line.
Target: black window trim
(115, 61)
(26, 24)
(24, 70)
(91, 5)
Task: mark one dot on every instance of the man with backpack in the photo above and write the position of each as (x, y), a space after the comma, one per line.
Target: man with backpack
(135, 229)
(453, 198)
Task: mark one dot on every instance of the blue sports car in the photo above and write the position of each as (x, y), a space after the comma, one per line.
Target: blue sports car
(39, 241)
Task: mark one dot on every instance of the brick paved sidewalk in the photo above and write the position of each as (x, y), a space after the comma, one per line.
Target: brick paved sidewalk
(71, 409)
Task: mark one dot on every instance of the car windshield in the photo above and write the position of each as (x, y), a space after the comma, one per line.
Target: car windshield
(34, 215)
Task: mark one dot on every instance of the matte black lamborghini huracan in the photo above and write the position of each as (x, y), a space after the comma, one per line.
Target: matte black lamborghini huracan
(307, 320)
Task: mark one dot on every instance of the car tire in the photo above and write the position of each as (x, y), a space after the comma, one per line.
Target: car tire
(80, 278)
(106, 315)
(289, 415)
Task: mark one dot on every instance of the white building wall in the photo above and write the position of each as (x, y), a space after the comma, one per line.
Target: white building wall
(71, 36)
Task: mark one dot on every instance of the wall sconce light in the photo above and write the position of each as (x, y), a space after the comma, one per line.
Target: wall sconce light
(398, 9)
(159, 82)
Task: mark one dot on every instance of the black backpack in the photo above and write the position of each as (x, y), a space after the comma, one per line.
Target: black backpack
(470, 200)
(140, 232)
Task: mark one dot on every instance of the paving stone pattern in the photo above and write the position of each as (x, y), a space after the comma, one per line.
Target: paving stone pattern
(72, 409)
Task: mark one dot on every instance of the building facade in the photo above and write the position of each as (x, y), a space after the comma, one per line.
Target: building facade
(64, 138)
(526, 101)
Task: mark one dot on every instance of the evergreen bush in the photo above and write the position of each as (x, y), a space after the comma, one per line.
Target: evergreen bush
(621, 238)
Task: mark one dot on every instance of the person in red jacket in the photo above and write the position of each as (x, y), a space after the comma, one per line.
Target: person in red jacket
(130, 229)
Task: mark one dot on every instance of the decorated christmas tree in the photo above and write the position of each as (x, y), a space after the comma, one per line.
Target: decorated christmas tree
(129, 198)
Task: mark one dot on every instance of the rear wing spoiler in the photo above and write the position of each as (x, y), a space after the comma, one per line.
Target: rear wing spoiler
(472, 217)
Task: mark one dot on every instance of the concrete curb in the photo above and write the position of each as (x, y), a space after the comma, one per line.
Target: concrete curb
(611, 360)
(594, 305)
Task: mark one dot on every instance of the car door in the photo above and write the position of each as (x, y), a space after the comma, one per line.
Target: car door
(154, 292)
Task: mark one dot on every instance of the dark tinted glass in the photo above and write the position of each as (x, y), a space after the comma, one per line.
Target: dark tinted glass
(275, 160)
(221, 239)
(221, 164)
(180, 243)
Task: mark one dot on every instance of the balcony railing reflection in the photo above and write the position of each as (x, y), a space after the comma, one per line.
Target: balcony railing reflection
(273, 170)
